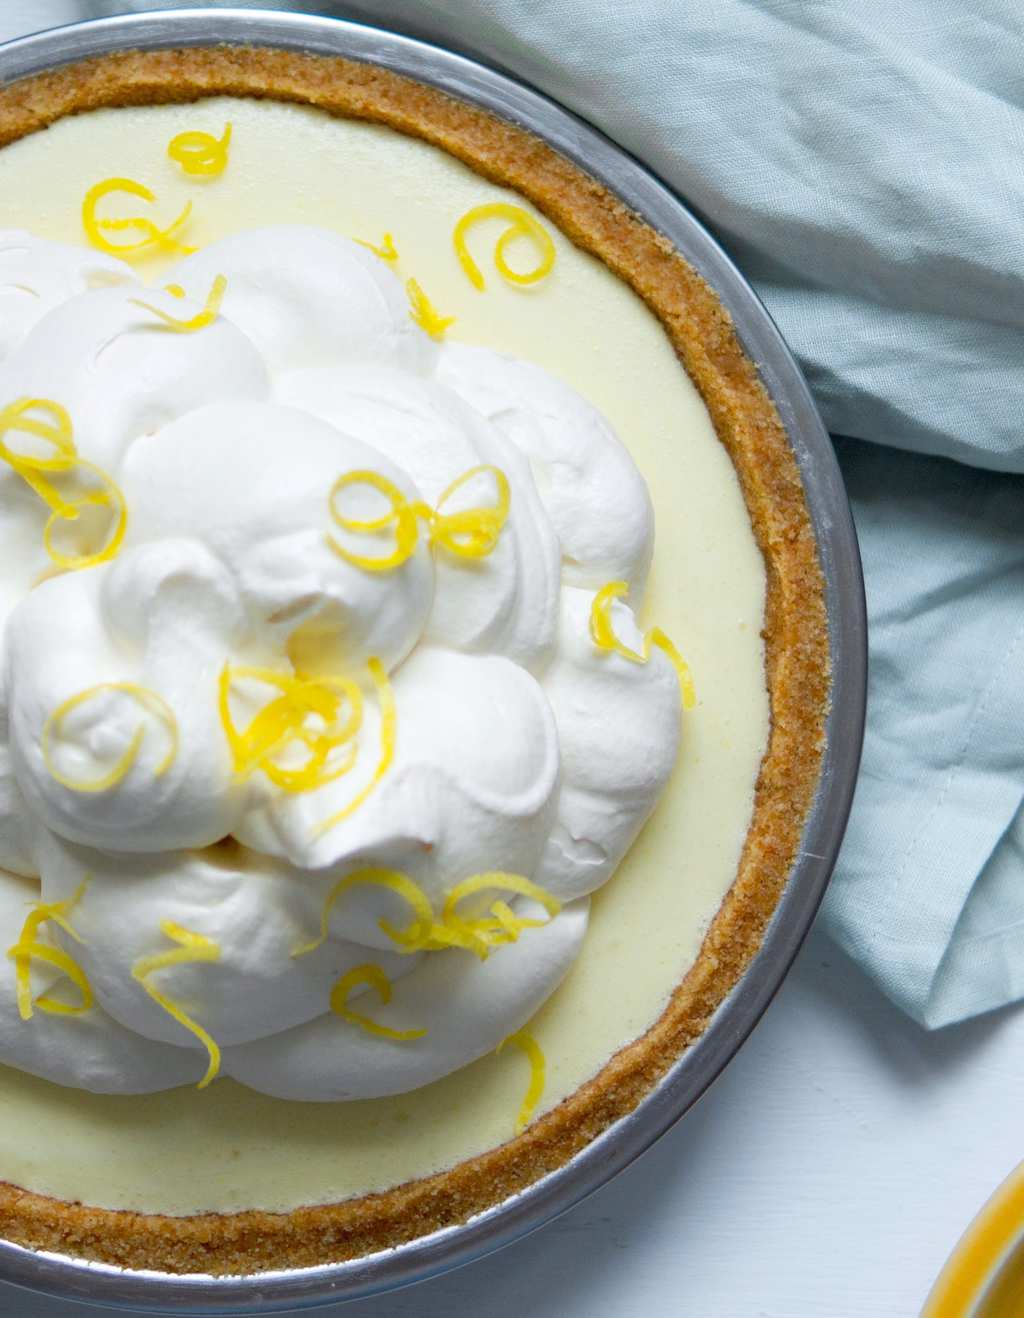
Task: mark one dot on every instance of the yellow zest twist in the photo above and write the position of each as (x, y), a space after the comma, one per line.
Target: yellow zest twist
(428, 934)
(424, 313)
(388, 726)
(149, 700)
(201, 154)
(54, 428)
(471, 533)
(333, 704)
(152, 235)
(108, 495)
(479, 935)
(377, 980)
(521, 225)
(39, 473)
(529, 1046)
(28, 949)
(502, 925)
(400, 515)
(192, 948)
(603, 635)
(394, 881)
(474, 532)
(207, 316)
(387, 251)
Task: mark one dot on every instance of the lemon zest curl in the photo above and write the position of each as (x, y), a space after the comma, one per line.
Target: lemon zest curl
(38, 473)
(201, 154)
(426, 933)
(386, 250)
(470, 533)
(424, 313)
(603, 635)
(531, 1049)
(207, 316)
(107, 496)
(376, 979)
(482, 934)
(149, 700)
(388, 727)
(28, 949)
(337, 702)
(473, 533)
(521, 225)
(372, 877)
(153, 236)
(56, 430)
(401, 514)
(192, 948)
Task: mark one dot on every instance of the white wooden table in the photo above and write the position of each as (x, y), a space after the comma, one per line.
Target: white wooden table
(827, 1174)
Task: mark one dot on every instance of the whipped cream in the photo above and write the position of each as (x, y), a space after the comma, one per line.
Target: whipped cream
(516, 744)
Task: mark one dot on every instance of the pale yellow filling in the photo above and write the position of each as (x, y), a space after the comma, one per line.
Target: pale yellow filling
(228, 1148)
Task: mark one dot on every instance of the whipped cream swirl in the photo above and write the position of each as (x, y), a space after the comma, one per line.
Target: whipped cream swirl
(494, 735)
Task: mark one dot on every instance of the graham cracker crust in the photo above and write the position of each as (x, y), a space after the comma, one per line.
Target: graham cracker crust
(795, 635)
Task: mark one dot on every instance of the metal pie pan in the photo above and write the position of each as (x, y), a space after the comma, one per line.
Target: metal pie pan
(427, 1256)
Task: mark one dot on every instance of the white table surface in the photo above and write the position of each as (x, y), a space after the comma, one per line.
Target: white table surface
(826, 1175)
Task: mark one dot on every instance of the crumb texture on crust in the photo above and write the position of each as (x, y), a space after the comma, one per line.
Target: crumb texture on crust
(795, 633)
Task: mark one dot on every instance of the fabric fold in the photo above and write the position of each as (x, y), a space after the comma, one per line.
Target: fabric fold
(927, 895)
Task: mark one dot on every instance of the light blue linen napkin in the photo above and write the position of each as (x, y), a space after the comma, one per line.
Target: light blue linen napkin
(863, 164)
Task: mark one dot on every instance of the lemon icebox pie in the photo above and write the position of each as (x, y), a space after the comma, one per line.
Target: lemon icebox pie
(414, 659)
